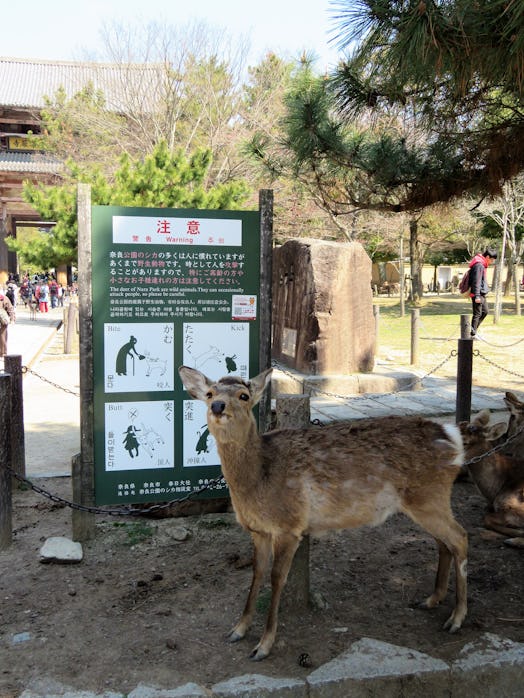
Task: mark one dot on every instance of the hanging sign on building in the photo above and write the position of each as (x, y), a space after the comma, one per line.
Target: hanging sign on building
(169, 287)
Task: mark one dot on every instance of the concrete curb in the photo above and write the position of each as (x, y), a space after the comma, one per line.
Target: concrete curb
(489, 667)
(45, 344)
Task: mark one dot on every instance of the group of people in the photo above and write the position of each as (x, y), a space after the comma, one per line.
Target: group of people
(42, 293)
(38, 293)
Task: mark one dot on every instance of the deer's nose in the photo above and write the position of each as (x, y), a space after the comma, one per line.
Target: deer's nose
(218, 407)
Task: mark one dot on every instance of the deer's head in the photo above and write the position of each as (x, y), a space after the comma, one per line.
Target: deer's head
(229, 400)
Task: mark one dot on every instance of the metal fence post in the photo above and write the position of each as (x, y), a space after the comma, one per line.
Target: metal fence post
(464, 372)
(6, 504)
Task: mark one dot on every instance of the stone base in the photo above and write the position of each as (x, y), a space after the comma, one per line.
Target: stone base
(382, 381)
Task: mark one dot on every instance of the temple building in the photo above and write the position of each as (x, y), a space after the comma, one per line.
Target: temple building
(24, 86)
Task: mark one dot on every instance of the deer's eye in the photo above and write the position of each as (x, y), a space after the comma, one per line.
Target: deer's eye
(244, 396)
(209, 395)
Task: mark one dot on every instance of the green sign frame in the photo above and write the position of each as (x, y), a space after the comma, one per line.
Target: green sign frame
(168, 287)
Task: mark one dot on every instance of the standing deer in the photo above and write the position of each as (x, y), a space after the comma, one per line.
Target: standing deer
(499, 475)
(291, 482)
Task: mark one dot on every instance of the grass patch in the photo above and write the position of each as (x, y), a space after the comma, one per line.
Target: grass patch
(439, 331)
(212, 524)
(136, 532)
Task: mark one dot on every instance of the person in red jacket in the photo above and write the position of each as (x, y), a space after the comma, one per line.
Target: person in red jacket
(478, 286)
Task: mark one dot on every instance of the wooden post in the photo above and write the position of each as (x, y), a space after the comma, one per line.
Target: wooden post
(464, 372)
(6, 505)
(293, 411)
(83, 522)
(13, 366)
(266, 272)
(70, 315)
(415, 330)
(84, 465)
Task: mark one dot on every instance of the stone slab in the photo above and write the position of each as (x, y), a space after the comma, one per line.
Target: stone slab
(489, 667)
(62, 550)
(188, 690)
(374, 668)
(259, 686)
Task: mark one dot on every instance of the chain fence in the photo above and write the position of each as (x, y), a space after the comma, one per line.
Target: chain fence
(26, 369)
(219, 481)
(121, 510)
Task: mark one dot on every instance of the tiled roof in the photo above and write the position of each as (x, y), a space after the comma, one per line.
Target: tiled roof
(24, 82)
(29, 162)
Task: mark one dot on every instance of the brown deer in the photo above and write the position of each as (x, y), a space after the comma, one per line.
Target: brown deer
(499, 475)
(291, 482)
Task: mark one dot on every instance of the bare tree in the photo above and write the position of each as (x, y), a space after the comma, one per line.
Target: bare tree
(182, 85)
(507, 211)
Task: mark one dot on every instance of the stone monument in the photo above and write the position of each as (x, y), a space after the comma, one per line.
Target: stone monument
(323, 322)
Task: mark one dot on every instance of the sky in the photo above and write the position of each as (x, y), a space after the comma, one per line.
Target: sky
(71, 29)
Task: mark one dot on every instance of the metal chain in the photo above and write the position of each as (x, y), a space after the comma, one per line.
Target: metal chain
(26, 369)
(501, 368)
(121, 511)
(499, 346)
(451, 355)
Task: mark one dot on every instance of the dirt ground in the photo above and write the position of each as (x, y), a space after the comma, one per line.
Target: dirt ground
(144, 606)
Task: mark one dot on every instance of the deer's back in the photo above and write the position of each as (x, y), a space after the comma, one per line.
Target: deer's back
(399, 444)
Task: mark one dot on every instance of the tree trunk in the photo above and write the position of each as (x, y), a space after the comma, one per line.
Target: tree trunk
(416, 261)
(498, 277)
(516, 287)
(402, 278)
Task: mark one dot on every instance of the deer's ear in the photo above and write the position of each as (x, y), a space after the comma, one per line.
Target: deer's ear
(515, 406)
(195, 382)
(496, 431)
(481, 419)
(258, 384)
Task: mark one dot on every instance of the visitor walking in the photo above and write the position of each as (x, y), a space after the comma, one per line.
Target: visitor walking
(43, 297)
(478, 286)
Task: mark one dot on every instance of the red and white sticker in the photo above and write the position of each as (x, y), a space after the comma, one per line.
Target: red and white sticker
(244, 308)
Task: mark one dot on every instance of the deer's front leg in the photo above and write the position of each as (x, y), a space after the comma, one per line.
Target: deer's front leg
(284, 549)
(261, 556)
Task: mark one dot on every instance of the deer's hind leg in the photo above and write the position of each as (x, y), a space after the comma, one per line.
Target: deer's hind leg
(452, 542)
(261, 557)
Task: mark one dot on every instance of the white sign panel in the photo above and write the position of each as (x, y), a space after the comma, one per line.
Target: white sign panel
(199, 446)
(139, 435)
(145, 230)
(217, 348)
(138, 357)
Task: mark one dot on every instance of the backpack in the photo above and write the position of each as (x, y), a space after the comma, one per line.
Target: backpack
(464, 283)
